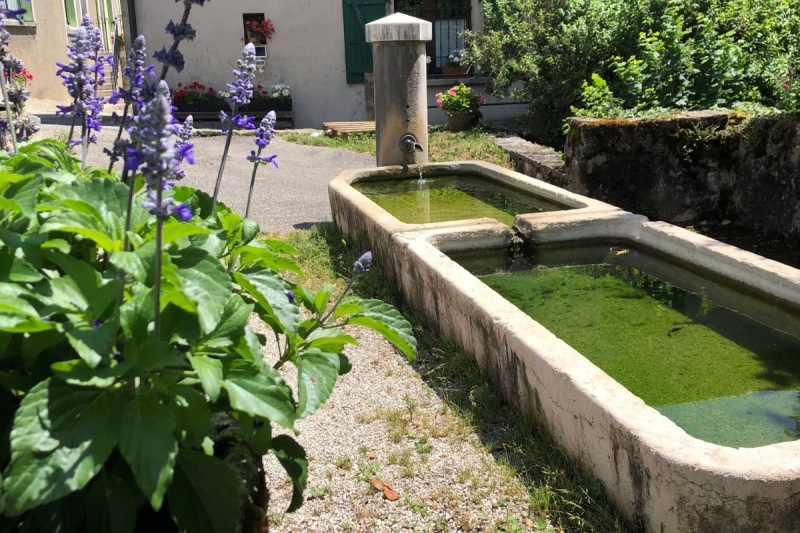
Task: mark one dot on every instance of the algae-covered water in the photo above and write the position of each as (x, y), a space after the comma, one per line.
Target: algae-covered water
(444, 198)
(720, 375)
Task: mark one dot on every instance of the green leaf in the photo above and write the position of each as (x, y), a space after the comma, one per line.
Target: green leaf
(136, 314)
(260, 393)
(209, 371)
(203, 497)
(147, 442)
(386, 320)
(249, 348)
(114, 499)
(192, 415)
(317, 372)
(67, 295)
(15, 269)
(329, 340)
(174, 230)
(256, 431)
(204, 281)
(232, 323)
(77, 372)
(93, 344)
(56, 447)
(292, 457)
(268, 290)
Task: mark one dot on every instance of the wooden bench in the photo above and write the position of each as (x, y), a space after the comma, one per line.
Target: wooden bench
(343, 129)
(285, 119)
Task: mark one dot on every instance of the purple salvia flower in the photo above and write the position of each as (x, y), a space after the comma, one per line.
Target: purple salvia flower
(136, 72)
(266, 130)
(363, 263)
(181, 31)
(241, 90)
(14, 14)
(153, 153)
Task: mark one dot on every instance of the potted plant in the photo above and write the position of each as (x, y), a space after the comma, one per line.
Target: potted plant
(197, 97)
(462, 106)
(457, 64)
(276, 98)
(259, 32)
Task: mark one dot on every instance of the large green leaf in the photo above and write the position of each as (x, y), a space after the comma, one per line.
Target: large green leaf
(384, 319)
(93, 344)
(292, 457)
(259, 392)
(204, 281)
(56, 447)
(231, 326)
(77, 372)
(329, 340)
(192, 415)
(147, 442)
(317, 372)
(268, 290)
(203, 497)
(174, 230)
(209, 371)
(249, 347)
(16, 269)
(114, 498)
(136, 314)
(257, 252)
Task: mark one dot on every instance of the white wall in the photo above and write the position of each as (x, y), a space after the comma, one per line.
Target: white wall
(306, 51)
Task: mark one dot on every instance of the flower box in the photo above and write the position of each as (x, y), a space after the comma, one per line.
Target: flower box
(217, 105)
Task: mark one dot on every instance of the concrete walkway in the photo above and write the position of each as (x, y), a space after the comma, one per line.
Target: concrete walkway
(293, 196)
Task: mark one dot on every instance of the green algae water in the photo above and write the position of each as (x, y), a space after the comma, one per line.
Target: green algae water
(698, 351)
(444, 198)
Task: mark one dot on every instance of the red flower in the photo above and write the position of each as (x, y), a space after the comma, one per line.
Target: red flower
(180, 84)
(212, 91)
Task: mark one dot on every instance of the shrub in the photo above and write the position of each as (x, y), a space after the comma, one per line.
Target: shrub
(630, 57)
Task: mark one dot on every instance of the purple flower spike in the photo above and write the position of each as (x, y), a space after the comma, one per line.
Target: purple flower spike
(181, 31)
(156, 157)
(266, 130)
(363, 264)
(14, 14)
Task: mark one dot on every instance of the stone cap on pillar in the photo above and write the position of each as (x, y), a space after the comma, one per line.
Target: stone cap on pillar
(399, 27)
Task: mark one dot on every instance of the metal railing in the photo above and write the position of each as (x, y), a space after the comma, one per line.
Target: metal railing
(449, 19)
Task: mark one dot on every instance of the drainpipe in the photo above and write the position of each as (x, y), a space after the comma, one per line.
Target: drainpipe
(400, 73)
(129, 27)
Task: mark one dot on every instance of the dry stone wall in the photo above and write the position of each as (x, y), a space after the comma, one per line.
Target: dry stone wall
(691, 167)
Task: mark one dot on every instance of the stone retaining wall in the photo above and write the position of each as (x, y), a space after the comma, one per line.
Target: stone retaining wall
(683, 168)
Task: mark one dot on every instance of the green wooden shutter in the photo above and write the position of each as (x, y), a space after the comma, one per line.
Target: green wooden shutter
(358, 52)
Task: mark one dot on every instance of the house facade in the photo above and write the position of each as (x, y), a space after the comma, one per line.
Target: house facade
(42, 39)
(318, 49)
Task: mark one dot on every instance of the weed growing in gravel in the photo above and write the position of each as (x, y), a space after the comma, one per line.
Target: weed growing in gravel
(344, 463)
(415, 506)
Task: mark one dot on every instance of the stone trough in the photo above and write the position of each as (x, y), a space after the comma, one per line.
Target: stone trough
(659, 476)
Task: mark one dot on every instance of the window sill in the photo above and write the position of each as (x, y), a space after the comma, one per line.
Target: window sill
(26, 28)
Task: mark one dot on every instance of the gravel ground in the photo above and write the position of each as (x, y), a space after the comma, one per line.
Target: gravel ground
(384, 425)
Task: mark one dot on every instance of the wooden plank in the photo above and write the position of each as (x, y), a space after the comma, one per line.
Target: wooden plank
(342, 129)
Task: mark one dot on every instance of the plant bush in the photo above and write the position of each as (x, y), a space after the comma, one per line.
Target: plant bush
(460, 99)
(124, 335)
(617, 57)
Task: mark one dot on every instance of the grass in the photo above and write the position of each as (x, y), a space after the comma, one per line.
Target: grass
(559, 492)
(443, 145)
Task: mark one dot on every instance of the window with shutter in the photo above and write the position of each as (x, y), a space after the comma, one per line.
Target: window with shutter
(358, 52)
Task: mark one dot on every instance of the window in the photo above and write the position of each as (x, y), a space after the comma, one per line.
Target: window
(20, 4)
(449, 19)
(71, 13)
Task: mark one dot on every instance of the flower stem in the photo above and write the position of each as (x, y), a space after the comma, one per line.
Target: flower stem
(224, 158)
(252, 183)
(84, 142)
(157, 284)
(119, 136)
(131, 186)
(11, 125)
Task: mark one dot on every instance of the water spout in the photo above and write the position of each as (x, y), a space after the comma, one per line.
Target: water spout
(408, 143)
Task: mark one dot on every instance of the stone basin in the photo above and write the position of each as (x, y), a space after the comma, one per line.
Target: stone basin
(660, 477)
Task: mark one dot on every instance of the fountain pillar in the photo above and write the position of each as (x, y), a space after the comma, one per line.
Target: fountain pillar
(401, 101)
